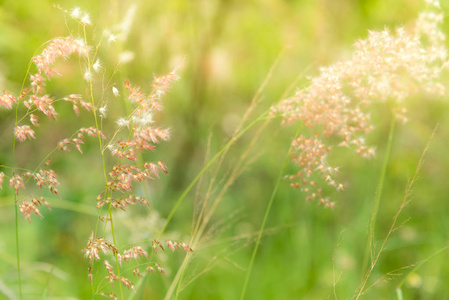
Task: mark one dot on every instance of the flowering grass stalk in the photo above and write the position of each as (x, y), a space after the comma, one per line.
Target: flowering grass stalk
(374, 73)
(333, 110)
(370, 241)
(134, 134)
(195, 237)
(385, 66)
(264, 221)
(207, 211)
(375, 255)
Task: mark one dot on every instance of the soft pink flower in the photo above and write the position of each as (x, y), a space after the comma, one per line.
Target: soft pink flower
(22, 132)
(7, 100)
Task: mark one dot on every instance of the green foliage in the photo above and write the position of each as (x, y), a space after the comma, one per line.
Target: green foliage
(224, 51)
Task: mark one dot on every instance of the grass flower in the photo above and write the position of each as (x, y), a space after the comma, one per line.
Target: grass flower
(62, 48)
(76, 12)
(7, 100)
(2, 177)
(102, 110)
(23, 132)
(97, 66)
(115, 91)
(386, 65)
(28, 207)
(85, 19)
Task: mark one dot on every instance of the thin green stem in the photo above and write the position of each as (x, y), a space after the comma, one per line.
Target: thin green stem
(265, 218)
(372, 226)
(89, 69)
(405, 201)
(213, 159)
(198, 232)
(417, 266)
(399, 294)
(17, 246)
(194, 181)
(183, 269)
(16, 214)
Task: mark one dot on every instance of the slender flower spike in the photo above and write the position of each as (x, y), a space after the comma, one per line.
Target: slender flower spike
(97, 66)
(87, 75)
(159, 268)
(7, 100)
(2, 176)
(62, 47)
(386, 65)
(102, 111)
(90, 275)
(115, 91)
(136, 272)
(16, 182)
(162, 166)
(112, 38)
(95, 247)
(185, 247)
(23, 132)
(126, 282)
(170, 245)
(33, 119)
(122, 122)
(110, 295)
(75, 12)
(28, 207)
(85, 19)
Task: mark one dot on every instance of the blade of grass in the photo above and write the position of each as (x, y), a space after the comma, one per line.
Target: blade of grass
(262, 227)
(417, 266)
(195, 180)
(399, 294)
(361, 290)
(213, 159)
(370, 242)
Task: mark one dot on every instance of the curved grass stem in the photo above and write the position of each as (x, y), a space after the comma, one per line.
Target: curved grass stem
(416, 267)
(370, 242)
(262, 226)
(91, 95)
(209, 164)
(393, 227)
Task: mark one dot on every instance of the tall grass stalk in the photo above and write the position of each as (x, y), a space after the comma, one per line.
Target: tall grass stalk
(100, 144)
(369, 250)
(393, 227)
(415, 268)
(199, 229)
(209, 164)
(16, 211)
(399, 294)
(16, 223)
(265, 218)
(238, 132)
(181, 199)
(203, 218)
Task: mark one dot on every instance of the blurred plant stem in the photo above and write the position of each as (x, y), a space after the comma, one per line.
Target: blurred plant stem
(370, 247)
(267, 212)
(416, 267)
(97, 126)
(191, 185)
(376, 255)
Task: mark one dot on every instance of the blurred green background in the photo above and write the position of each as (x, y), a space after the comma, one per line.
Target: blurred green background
(223, 50)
